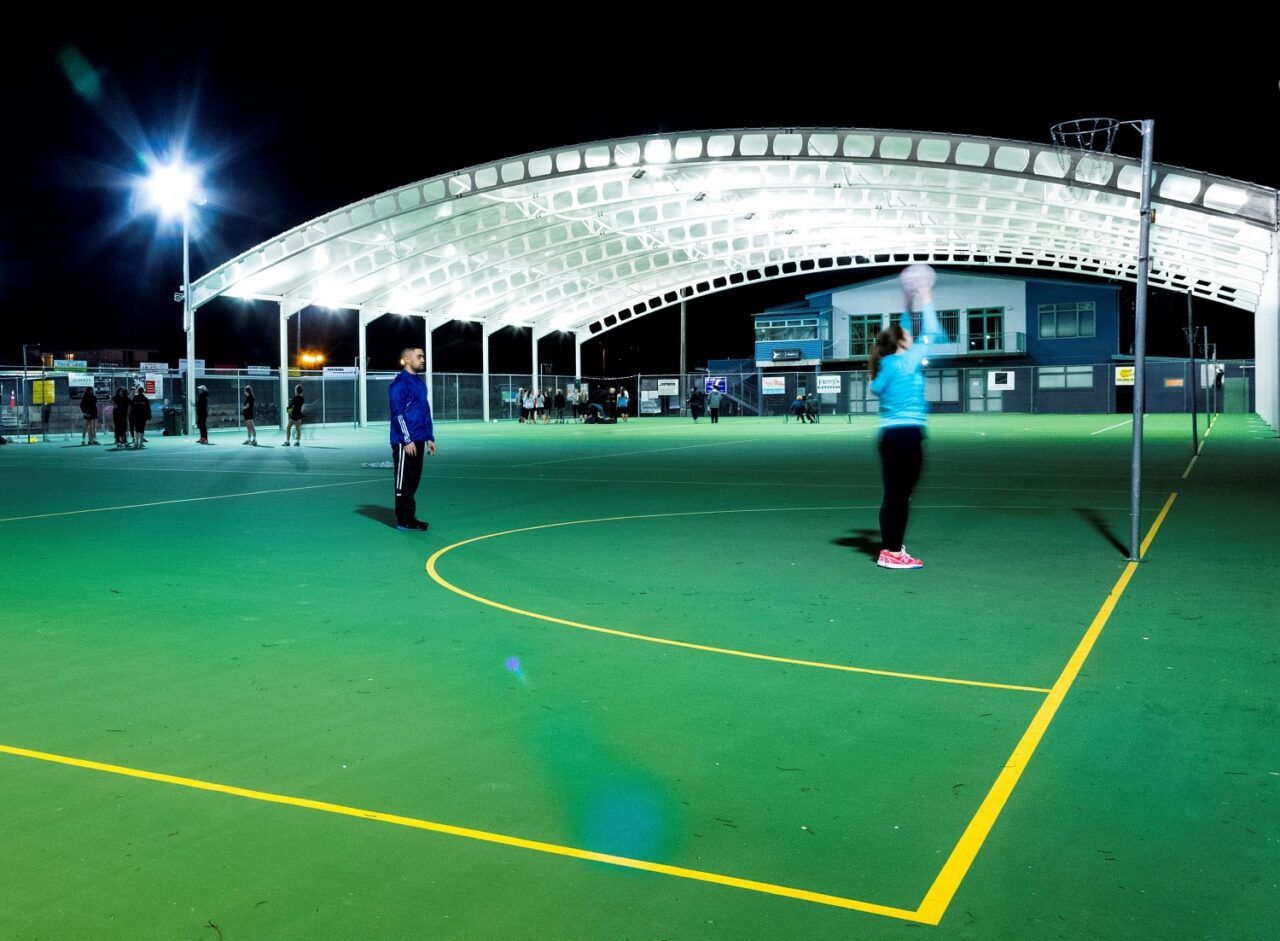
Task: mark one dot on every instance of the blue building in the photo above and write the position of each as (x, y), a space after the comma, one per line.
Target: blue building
(988, 319)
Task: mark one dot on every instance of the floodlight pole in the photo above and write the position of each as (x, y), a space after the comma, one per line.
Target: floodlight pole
(684, 365)
(1191, 380)
(26, 409)
(1147, 128)
(1217, 406)
(188, 318)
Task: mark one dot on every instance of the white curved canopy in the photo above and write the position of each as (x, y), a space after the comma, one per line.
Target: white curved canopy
(593, 235)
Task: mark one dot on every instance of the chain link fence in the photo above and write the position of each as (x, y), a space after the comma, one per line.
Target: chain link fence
(49, 403)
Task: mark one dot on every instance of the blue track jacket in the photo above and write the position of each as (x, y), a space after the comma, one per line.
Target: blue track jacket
(410, 411)
(900, 383)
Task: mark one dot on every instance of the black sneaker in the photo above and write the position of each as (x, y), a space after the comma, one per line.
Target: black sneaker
(413, 526)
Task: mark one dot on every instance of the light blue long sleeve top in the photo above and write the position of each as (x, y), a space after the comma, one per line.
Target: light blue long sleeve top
(900, 383)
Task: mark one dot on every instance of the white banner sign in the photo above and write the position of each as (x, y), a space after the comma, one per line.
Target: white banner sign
(182, 367)
(828, 383)
(1000, 381)
(668, 387)
(80, 380)
(154, 384)
(773, 385)
(160, 367)
(259, 370)
(332, 371)
(1124, 375)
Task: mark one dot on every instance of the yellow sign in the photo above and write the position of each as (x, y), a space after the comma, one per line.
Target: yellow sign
(42, 392)
(1124, 375)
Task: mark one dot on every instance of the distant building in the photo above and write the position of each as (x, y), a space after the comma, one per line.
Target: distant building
(116, 357)
(988, 319)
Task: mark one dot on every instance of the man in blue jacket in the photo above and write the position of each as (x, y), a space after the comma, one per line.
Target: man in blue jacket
(411, 435)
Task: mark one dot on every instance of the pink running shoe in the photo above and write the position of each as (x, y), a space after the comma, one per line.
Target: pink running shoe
(898, 560)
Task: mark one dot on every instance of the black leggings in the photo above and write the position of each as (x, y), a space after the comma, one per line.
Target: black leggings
(901, 457)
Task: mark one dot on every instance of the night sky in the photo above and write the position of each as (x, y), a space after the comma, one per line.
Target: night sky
(293, 123)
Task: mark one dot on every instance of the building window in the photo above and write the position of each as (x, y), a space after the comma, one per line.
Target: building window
(863, 329)
(950, 320)
(1064, 377)
(1067, 321)
(986, 329)
(798, 328)
(942, 385)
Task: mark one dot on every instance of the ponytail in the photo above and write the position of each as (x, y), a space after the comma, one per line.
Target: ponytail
(886, 345)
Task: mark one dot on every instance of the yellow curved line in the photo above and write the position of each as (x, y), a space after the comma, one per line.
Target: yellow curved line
(445, 583)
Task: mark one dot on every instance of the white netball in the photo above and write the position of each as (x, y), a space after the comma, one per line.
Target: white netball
(917, 278)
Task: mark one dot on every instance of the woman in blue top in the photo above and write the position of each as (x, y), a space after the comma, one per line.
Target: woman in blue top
(897, 380)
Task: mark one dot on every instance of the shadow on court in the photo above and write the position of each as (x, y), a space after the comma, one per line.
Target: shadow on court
(378, 513)
(866, 541)
(1097, 522)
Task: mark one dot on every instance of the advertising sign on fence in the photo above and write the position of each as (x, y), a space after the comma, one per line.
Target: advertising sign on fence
(259, 370)
(716, 384)
(773, 385)
(70, 365)
(42, 392)
(1124, 375)
(154, 385)
(668, 387)
(77, 382)
(828, 384)
(333, 372)
(1000, 380)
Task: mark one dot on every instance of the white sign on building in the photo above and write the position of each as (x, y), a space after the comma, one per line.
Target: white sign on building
(1000, 380)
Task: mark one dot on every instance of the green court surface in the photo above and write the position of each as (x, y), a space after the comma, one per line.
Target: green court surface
(642, 682)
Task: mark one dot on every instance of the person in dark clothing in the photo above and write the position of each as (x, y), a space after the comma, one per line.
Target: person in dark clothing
(202, 414)
(297, 408)
(798, 409)
(139, 415)
(811, 408)
(697, 399)
(246, 411)
(559, 406)
(89, 408)
(412, 437)
(120, 417)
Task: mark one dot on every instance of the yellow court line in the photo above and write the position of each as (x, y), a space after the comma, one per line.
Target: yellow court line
(931, 909)
(1192, 463)
(482, 835)
(647, 638)
(957, 865)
